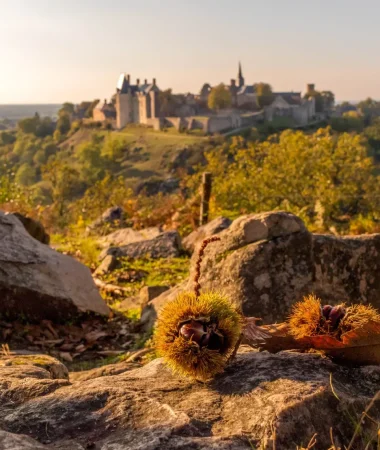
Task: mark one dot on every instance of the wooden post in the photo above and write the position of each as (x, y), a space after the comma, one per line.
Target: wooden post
(205, 200)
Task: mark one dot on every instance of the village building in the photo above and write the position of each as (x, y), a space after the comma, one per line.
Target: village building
(105, 112)
(293, 106)
(144, 103)
(135, 103)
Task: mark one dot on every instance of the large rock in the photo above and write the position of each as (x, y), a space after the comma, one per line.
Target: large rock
(165, 245)
(261, 401)
(148, 293)
(111, 217)
(127, 236)
(267, 262)
(37, 282)
(34, 228)
(150, 310)
(197, 236)
(56, 369)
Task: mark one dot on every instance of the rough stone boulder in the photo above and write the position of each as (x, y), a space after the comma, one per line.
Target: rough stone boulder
(165, 245)
(261, 401)
(127, 236)
(34, 228)
(267, 262)
(56, 369)
(111, 216)
(197, 236)
(38, 283)
(150, 310)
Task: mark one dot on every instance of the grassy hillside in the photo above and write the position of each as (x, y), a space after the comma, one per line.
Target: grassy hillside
(150, 151)
(155, 149)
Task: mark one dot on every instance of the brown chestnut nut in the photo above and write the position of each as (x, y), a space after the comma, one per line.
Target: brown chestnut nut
(193, 330)
(336, 315)
(326, 311)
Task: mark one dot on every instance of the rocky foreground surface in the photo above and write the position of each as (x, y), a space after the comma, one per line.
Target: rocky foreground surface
(260, 399)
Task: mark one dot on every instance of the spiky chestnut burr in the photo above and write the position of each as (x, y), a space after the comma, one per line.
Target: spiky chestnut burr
(310, 318)
(197, 335)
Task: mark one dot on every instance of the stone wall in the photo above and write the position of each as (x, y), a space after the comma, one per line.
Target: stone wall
(224, 121)
(302, 114)
(217, 124)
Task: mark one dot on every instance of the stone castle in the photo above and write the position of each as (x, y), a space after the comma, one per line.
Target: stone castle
(140, 103)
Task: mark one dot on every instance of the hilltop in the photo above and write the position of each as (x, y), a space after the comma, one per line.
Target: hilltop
(150, 153)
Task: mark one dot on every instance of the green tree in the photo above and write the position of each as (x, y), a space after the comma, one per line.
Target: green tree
(39, 157)
(64, 124)
(328, 99)
(45, 127)
(219, 98)
(65, 184)
(67, 109)
(372, 133)
(166, 102)
(114, 147)
(92, 163)
(50, 149)
(25, 175)
(368, 103)
(29, 125)
(264, 94)
(7, 137)
(296, 171)
(350, 121)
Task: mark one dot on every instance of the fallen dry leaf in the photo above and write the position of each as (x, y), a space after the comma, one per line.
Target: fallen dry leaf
(66, 356)
(80, 348)
(93, 336)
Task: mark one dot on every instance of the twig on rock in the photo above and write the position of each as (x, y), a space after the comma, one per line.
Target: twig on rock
(197, 286)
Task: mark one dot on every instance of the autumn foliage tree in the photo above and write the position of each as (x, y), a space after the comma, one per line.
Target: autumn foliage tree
(264, 94)
(219, 98)
(307, 174)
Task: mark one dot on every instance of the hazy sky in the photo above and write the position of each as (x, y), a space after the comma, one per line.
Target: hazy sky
(57, 50)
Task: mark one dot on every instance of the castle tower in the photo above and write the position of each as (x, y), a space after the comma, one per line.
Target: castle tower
(124, 101)
(240, 76)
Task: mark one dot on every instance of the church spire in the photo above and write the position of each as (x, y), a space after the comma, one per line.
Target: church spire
(240, 76)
